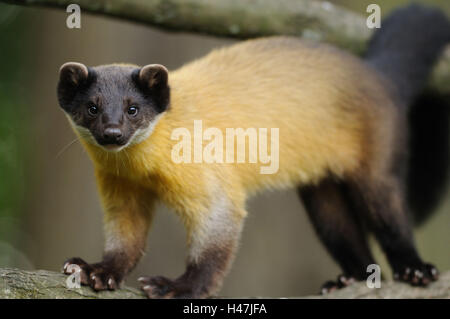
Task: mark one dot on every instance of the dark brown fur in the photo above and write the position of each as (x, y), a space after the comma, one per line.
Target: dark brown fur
(112, 90)
(200, 278)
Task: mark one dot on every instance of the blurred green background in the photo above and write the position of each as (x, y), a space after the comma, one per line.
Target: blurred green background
(49, 209)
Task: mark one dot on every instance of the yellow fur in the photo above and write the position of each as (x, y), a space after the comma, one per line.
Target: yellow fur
(320, 98)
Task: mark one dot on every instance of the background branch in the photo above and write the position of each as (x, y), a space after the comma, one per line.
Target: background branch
(243, 19)
(232, 18)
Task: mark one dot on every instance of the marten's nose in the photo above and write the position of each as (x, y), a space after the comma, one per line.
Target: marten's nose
(112, 134)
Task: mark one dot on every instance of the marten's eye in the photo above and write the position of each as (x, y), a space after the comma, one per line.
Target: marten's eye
(92, 109)
(133, 110)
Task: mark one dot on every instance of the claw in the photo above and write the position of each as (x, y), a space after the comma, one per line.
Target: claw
(341, 282)
(420, 275)
(99, 276)
(111, 284)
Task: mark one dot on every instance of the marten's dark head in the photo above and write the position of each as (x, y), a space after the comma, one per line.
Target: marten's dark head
(113, 106)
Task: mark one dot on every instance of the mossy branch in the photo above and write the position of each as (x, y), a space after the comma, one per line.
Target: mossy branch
(16, 283)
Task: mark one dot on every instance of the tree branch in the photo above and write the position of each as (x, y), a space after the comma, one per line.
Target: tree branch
(232, 18)
(16, 283)
(242, 19)
(396, 290)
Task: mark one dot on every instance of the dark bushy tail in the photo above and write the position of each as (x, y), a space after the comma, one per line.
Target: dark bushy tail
(407, 45)
(405, 50)
(429, 153)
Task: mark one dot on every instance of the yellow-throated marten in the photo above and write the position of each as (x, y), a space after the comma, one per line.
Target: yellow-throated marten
(343, 136)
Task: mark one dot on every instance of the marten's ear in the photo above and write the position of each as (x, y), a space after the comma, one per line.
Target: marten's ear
(153, 76)
(72, 76)
(153, 79)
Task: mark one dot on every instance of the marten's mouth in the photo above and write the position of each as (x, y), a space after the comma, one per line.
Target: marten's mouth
(114, 147)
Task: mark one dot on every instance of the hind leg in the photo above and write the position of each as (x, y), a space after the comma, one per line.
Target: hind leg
(382, 201)
(339, 230)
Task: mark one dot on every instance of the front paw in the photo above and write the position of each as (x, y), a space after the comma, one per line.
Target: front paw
(341, 282)
(420, 275)
(160, 287)
(98, 276)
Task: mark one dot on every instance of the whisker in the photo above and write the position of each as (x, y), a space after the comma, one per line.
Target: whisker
(128, 156)
(65, 148)
(117, 163)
